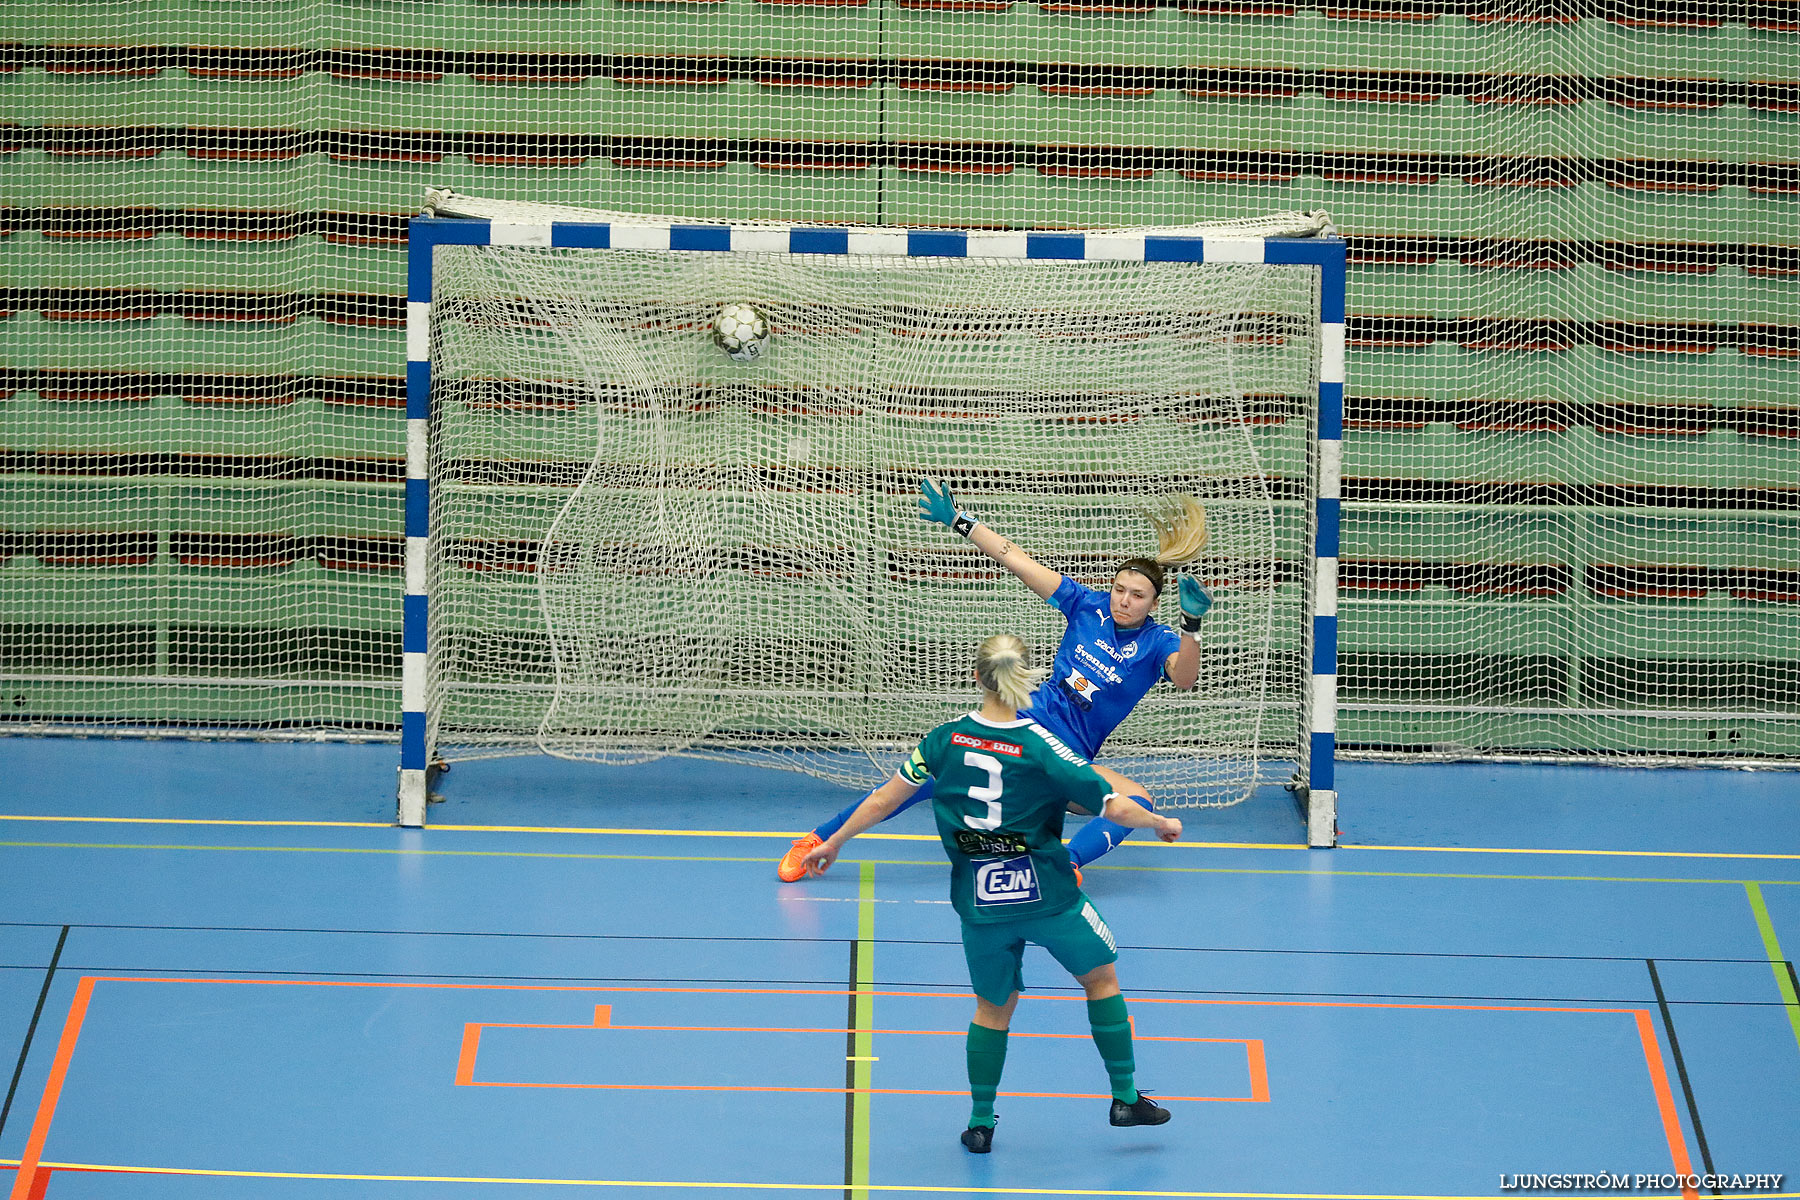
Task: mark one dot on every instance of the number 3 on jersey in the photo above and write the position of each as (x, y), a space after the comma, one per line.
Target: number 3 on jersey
(989, 792)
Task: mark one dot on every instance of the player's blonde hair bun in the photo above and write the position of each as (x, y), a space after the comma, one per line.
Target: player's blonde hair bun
(1003, 665)
(1180, 524)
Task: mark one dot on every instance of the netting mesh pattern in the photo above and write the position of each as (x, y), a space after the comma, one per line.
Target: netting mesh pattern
(642, 548)
(1570, 479)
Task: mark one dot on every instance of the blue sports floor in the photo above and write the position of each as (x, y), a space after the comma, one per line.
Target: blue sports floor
(223, 973)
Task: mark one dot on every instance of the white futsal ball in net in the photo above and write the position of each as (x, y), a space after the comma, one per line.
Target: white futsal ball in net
(740, 331)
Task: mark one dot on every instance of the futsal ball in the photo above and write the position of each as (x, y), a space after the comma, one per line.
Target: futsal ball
(740, 331)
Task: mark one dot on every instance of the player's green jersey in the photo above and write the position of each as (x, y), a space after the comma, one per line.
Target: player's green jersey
(1002, 788)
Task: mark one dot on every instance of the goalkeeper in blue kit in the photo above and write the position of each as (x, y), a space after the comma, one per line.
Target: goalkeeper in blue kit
(1113, 651)
(1003, 784)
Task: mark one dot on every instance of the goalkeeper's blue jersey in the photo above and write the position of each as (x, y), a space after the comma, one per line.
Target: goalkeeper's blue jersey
(1100, 672)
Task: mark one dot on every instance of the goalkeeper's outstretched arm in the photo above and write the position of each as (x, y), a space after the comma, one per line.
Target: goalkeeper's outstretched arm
(1183, 667)
(935, 504)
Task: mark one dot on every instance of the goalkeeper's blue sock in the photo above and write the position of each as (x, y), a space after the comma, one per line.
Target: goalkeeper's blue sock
(1100, 835)
(836, 823)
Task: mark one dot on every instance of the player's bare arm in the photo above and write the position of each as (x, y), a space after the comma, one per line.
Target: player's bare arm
(936, 504)
(1032, 573)
(872, 811)
(1126, 811)
(1183, 666)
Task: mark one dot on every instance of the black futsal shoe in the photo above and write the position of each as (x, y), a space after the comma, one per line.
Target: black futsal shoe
(978, 1138)
(1142, 1111)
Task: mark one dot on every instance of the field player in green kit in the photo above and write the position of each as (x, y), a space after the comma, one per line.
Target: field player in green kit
(1004, 783)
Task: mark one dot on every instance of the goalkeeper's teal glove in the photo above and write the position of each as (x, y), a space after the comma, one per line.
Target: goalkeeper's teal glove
(935, 504)
(1194, 603)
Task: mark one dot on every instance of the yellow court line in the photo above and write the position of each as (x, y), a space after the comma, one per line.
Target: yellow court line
(1135, 845)
(705, 833)
(592, 830)
(1601, 853)
(720, 1185)
(1310, 872)
(608, 831)
(864, 837)
(199, 821)
(586, 829)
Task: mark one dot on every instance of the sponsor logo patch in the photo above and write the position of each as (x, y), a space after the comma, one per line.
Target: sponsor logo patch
(1080, 689)
(976, 743)
(977, 845)
(1006, 881)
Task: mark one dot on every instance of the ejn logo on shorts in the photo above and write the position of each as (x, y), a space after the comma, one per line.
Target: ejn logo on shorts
(1006, 881)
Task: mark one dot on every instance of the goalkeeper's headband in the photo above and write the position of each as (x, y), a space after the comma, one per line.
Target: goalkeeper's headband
(1148, 568)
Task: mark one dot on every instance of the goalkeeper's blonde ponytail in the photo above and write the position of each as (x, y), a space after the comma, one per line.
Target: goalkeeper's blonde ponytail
(1003, 665)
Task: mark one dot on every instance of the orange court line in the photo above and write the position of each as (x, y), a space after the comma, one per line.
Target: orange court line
(1665, 1099)
(370, 983)
(28, 1174)
(837, 1091)
(838, 1031)
(24, 1181)
(1659, 1075)
(471, 1048)
(1259, 1072)
(1082, 1037)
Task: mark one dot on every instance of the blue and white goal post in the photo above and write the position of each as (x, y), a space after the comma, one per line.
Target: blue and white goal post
(1313, 641)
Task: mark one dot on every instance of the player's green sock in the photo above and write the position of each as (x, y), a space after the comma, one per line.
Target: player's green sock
(1112, 1033)
(987, 1058)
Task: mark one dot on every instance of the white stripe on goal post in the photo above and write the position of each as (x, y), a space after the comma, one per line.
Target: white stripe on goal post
(1326, 253)
(1321, 775)
(423, 234)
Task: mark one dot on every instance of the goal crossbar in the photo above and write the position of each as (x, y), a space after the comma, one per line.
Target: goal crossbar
(1325, 253)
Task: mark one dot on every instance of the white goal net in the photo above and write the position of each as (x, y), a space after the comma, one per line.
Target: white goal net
(640, 547)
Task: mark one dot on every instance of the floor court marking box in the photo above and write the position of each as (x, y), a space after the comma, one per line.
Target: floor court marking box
(29, 1178)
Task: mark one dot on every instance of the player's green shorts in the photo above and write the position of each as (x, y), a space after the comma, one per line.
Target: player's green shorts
(1077, 938)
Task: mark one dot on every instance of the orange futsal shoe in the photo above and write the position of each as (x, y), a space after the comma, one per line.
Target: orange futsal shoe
(1077, 876)
(792, 866)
